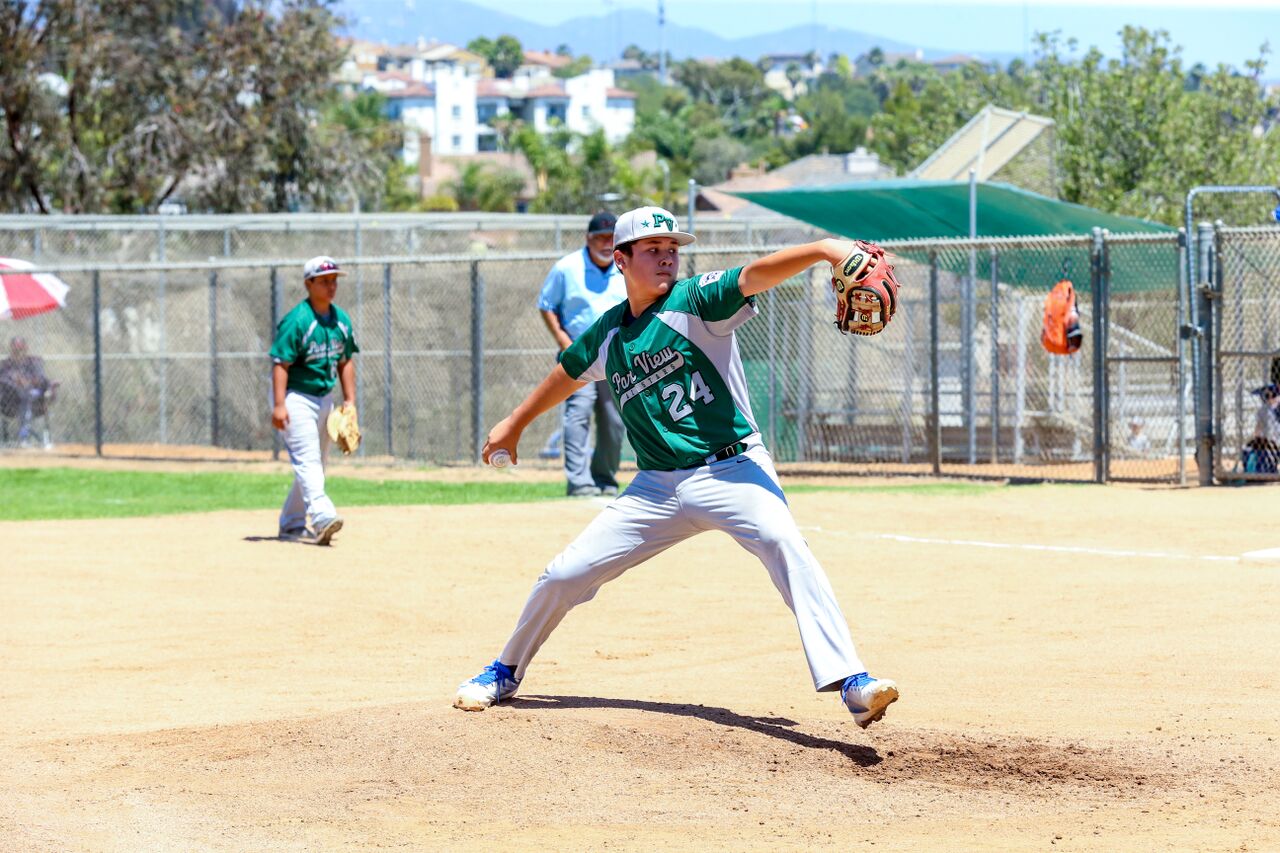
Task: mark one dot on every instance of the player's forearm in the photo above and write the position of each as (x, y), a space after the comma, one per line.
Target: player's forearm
(279, 382)
(347, 378)
(773, 269)
(551, 392)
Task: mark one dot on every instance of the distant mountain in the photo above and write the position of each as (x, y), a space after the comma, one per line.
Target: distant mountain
(603, 37)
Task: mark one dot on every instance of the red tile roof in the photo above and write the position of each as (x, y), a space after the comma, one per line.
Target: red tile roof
(542, 57)
(416, 90)
(620, 93)
(549, 91)
(490, 88)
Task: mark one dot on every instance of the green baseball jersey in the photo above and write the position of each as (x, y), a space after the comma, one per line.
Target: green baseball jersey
(312, 346)
(674, 371)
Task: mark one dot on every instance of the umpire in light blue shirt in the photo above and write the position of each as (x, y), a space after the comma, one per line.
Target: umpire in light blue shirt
(580, 287)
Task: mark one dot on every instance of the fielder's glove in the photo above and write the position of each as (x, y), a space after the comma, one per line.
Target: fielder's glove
(866, 290)
(344, 428)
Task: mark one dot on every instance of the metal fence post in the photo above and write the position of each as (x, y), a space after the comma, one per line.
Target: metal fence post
(995, 356)
(477, 360)
(213, 357)
(692, 202)
(97, 363)
(275, 322)
(386, 354)
(773, 305)
(935, 402)
(359, 312)
(1101, 422)
(1181, 344)
(968, 390)
(1204, 344)
(164, 337)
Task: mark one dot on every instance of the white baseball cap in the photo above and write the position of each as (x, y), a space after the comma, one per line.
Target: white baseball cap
(649, 222)
(320, 265)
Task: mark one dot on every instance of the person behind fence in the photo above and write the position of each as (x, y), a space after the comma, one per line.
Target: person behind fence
(1262, 452)
(580, 287)
(25, 390)
(1138, 441)
(311, 353)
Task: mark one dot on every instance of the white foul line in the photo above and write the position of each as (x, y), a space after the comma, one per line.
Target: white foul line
(1063, 549)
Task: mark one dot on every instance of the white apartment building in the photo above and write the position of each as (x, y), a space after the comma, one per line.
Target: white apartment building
(443, 93)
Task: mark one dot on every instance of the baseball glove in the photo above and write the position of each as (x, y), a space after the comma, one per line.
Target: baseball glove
(344, 428)
(866, 290)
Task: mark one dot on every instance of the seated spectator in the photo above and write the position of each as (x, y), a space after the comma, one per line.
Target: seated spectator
(25, 391)
(1138, 441)
(1263, 450)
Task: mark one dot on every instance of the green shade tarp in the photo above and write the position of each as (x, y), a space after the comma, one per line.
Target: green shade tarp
(914, 210)
(907, 210)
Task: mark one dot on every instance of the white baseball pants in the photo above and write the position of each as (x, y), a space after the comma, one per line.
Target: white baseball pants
(740, 496)
(308, 443)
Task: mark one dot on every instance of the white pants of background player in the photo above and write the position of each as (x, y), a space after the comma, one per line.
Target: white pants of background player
(308, 443)
(740, 496)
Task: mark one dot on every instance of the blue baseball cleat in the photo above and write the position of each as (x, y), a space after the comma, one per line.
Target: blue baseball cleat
(496, 682)
(867, 697)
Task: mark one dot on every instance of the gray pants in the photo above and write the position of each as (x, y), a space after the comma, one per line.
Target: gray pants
(308, 444)
(740, 496)
(582, 467)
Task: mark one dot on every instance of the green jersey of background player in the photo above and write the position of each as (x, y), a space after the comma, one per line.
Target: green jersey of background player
(670, 357)
(312, 352)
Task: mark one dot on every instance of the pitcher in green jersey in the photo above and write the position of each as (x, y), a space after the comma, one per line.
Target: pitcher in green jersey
(311, 353)
(670, 358)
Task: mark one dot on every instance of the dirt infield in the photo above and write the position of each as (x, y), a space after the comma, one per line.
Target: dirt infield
(1081, 668)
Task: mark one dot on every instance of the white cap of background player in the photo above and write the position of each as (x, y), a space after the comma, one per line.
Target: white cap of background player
(649, 222)
(320, 265)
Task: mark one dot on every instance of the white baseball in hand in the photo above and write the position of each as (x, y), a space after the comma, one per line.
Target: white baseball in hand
(500, 458)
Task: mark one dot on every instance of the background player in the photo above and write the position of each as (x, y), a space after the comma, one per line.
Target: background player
(671, 359)
(580, 287)
(312, 351)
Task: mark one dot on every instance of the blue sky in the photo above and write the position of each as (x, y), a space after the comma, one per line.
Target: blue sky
(1226, 31)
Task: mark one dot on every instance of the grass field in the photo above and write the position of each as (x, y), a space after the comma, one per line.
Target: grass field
(74, 493)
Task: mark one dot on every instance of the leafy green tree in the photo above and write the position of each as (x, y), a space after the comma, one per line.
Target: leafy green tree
(115, 106)
(482, 187)
(579, 65)
(735, 91)
(504, 54)
(714, 156)
(384, 178)
(1137, 132)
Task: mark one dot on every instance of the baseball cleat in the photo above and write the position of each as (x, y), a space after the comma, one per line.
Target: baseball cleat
(294, 535)
(867, 697)
(496, 682)
(324, 534)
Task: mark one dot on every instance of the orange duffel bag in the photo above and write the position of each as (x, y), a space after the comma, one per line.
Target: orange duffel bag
(1061, 333)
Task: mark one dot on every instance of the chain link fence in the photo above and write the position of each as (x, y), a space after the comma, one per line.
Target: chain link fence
(154, 357)
(54, 240)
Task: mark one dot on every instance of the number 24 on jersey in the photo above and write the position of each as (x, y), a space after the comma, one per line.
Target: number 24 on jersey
(674, 395)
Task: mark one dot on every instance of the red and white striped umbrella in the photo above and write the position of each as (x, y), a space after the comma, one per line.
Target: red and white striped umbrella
(25, 294)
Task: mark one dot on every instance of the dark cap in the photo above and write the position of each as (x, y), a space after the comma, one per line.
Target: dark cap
(1271, 390)
(602, 223)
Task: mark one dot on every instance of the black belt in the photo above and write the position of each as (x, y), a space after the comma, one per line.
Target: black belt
(727, 452)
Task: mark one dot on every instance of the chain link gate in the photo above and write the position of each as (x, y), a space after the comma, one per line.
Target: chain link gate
(1148, 395)
(1244, 265)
